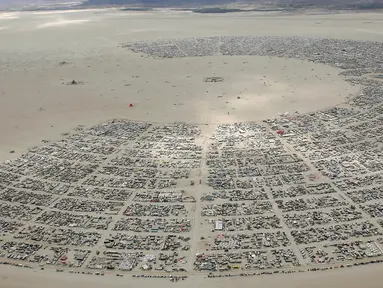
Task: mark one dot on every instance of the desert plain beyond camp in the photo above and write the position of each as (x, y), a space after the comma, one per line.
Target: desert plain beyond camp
(194, 150)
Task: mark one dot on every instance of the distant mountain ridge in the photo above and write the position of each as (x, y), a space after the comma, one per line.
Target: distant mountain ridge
(235, 5)
(190, 3)
(207, 2)
(174, 3)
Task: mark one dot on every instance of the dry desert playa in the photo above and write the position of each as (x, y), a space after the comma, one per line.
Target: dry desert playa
(196, 150)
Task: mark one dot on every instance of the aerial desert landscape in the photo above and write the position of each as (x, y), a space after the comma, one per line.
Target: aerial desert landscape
(198, 150)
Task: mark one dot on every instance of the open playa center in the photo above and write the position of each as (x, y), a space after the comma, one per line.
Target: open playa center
(197, 150)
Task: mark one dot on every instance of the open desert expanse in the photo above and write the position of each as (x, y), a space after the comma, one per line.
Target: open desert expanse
(350, 278)
(205, 150)
(37, 105)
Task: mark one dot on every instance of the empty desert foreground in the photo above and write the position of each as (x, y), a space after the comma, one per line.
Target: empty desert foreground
(356, 277)
(40, 53)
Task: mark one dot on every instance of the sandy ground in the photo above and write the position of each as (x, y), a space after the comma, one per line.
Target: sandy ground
(36, 103)
(355, 277)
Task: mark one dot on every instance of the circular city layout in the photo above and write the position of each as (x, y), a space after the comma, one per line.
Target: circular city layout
(299, 192)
